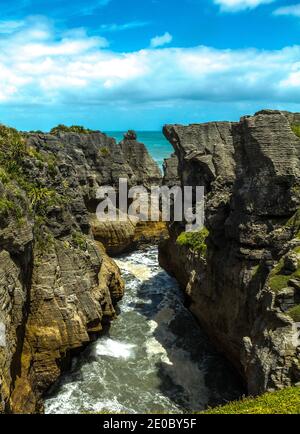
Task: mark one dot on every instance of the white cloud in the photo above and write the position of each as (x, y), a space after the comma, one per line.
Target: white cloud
(41, 66)
(160, 41)
(10, 26)
(89, 7)
(239, 5)
(124, 26)
(293, 10)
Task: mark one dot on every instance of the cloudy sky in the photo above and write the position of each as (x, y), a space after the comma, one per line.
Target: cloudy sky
(118, 64)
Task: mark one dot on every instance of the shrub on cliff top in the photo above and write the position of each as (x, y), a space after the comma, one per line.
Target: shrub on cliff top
(286, 401)
(196, 241)
(72, 129)
(12, 149)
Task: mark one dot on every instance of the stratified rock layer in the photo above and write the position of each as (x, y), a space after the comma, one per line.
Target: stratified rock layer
(245, 292)
(58, 287)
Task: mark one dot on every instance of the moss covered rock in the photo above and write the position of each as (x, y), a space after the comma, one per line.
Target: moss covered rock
(196, 241)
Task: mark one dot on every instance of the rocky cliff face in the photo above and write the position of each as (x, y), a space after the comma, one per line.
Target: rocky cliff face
(58, 287)
(244, 285)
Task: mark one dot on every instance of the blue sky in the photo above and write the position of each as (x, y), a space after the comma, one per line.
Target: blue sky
(117, 64)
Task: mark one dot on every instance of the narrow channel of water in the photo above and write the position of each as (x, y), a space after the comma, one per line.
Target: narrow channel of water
(154, 358)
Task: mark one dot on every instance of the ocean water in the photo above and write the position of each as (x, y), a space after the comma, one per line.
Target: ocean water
(153, 359)
(158, 146)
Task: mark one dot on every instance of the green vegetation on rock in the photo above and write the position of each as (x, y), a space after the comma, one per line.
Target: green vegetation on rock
(286, 401)
(43, 159)
(4, 177)
(104, 152)
(294, 223)
(6, 205)
(294, 313)
(12, 150)
(72, 129)
(41, 197)
(279, 279)
(296, 129)
(13, 207)
(79, 240)
(13, 155)
(196, 241)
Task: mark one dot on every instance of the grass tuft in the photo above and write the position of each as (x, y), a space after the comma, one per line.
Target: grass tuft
(286, 401)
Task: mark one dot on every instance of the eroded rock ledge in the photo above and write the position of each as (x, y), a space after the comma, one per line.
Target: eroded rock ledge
(58, 286)
(245, 289)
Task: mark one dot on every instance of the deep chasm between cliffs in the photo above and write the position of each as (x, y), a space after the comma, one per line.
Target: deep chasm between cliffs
(59, 287)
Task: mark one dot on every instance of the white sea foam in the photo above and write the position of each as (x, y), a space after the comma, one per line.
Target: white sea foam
(124, 371)
(153, 326)
(140, 271)
(110, 405)
(154, 348)
(114, 348)
(61, 404)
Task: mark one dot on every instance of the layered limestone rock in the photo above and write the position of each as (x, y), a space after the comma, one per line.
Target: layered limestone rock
(58, 287)
(244, 286)
(73, 291)
(15, 274)
(123, 236)
(96, 160)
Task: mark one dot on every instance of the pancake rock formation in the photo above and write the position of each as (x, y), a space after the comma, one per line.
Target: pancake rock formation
(58, 287)
(242, 272)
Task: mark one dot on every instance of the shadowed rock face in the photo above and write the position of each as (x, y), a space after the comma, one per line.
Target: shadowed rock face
(58, 287)
(245, 290)
(171, 171)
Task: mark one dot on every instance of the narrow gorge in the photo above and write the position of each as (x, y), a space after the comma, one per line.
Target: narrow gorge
(85, 305)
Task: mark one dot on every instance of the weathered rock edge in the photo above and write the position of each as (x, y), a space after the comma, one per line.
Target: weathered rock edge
(250, 170)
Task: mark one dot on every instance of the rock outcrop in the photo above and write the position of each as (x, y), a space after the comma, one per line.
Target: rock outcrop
(118, 237)
(244, 287)
(171, 171)
(58, 287)
(145, 170)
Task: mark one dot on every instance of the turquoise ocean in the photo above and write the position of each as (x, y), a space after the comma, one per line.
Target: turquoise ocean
(156, 143)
